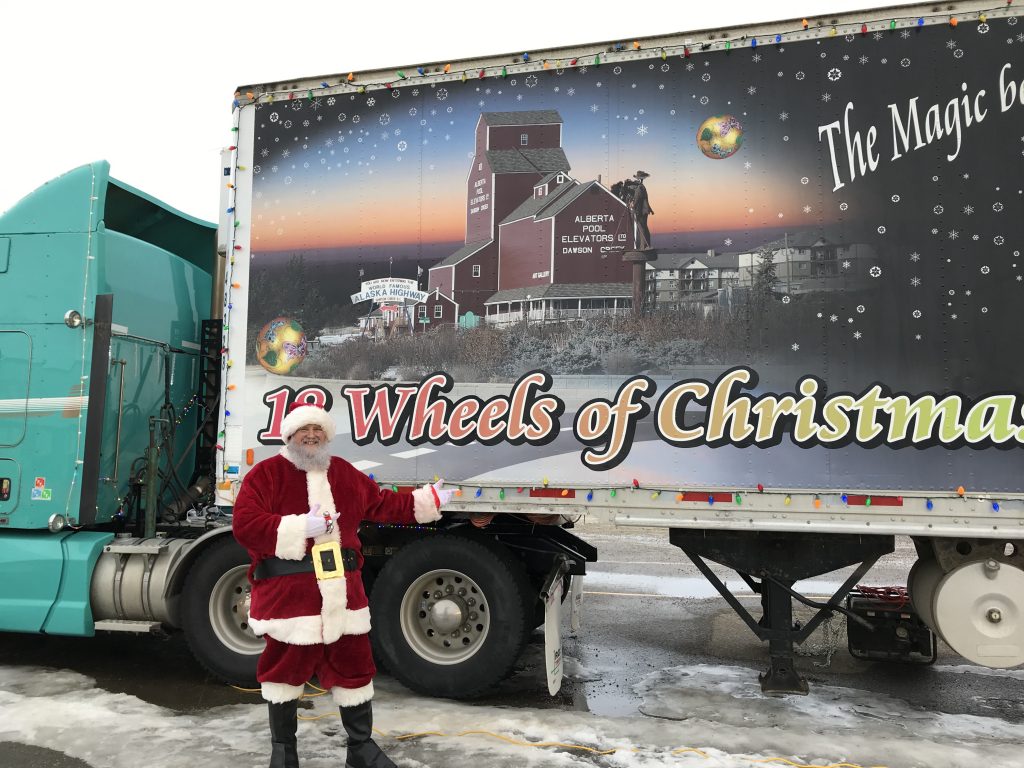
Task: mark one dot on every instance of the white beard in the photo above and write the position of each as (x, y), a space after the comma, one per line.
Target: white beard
(310, 458)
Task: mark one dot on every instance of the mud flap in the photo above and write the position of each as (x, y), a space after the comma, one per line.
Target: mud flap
(552, 596)
(576, 606)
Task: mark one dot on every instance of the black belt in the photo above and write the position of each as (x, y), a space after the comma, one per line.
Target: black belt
(275, 566)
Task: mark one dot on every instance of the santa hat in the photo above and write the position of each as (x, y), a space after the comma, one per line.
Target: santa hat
(301, 414)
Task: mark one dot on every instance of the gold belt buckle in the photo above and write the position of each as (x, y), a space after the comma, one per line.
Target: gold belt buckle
(327, 562)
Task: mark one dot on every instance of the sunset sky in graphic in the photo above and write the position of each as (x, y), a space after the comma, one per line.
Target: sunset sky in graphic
(389, 168)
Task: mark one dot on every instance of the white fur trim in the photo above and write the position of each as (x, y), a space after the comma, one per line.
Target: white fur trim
(347, 622)
(350, 697)
(291, 537)
(302, 630)
(319, 490)
(307, 414)
(424, 508)
(279, 693)
(333, 593)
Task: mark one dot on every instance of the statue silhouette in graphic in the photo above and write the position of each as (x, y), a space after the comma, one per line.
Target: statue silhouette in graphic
(634, 194)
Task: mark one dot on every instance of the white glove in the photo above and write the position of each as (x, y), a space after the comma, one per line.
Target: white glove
(317, 522)
(444, 496)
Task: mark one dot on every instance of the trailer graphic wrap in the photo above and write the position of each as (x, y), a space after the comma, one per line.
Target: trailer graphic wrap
(792, 263)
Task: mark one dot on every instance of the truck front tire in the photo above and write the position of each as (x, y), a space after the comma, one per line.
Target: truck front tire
(450, 615)
(215, 614)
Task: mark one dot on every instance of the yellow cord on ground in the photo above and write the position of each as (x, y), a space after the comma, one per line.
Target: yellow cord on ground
(558, 744)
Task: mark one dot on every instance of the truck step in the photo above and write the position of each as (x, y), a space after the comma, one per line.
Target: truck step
(124, 625)
(127, 547)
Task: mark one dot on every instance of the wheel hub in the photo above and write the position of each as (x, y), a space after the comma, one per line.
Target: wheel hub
(448, 615)
(444, 617)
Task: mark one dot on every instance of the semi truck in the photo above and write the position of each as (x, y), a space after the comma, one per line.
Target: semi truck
(757, 287)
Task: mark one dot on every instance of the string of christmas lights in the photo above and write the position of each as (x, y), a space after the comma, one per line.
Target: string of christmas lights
(526, 62)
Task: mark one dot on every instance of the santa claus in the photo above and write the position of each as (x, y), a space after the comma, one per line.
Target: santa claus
(298, 515)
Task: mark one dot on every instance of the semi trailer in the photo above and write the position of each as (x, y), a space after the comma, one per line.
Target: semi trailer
(756, 287)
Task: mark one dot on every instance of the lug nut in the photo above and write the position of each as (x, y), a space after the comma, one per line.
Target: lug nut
(994, 615)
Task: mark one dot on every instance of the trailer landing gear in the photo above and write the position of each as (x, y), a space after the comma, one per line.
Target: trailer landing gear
(770, 564)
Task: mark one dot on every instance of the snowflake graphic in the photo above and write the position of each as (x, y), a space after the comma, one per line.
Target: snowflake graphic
(985, 270)
(617, 70)
(915, 282)
(1012, 20)
(917, 314)
(796, 347)
(915, 256)
(881, 230)
(895, 198)
(937, 210)
(274, 117)
(641, 130)
(983, 28)
(846, 265)
(264, 152)
(385, 119)
(805, 180)
(571, 92)
(786, 299)
(953, 234)
(728, 241)
(861, 309)
(442, 94)
(704, 100)
(834, 74)
(998, 240)
(594, 108)
(286, 153)
(807, 209)
(968, 209)
(833, 318)
(863, 59)
(917, 337)
(665, 67)
(783, 116)
(958, 53)
(402, 146)
(935, 231)
(877, 36)
(951, 44)
(531, 81)
(904, 63)
(997, 207)
(843, 206)
(905, 34)
(371, 101)
(826, 97)
(689, 66)
(706, 77)
(751, 90)
(342, 117)
(395, 94)
(330, 101)
(857, 335)
(875, 271)
(800, 75)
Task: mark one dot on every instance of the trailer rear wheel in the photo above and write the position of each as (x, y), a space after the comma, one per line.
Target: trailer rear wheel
(450, 615)
(215, 614)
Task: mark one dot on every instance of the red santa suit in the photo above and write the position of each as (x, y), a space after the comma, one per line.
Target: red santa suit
(314, 626)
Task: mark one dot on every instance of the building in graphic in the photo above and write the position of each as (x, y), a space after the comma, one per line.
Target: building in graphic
(809, 261)
(677, 281)
(533, 233)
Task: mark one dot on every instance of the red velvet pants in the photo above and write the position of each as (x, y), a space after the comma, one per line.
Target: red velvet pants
(345, 663)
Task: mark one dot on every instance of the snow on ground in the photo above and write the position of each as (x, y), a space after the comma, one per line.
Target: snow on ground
(706, 716)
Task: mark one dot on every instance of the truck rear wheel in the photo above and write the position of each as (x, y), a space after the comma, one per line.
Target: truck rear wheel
(215, 614)
(450, 615)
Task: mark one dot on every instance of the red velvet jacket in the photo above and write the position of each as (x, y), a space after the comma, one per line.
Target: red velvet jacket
(269, 521)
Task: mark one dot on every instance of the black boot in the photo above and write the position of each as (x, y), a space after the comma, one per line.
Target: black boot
(363, 752)
(283, 723)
